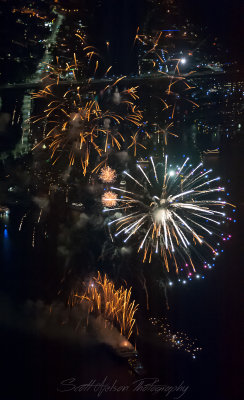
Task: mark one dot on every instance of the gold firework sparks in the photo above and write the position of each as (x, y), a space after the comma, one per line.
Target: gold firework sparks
(165, 132)
(115, 305)
(77, 126)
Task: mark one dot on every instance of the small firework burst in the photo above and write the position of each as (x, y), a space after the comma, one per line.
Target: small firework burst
(107, 175)
(109, 199)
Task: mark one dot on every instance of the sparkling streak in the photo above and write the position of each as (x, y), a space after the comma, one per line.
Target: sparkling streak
(138, 183)
(154, 169)
(144, 174)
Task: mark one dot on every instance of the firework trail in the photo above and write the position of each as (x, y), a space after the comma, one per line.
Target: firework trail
(21, 221)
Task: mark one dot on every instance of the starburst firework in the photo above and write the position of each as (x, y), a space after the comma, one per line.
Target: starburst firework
(107, 175)
(172, 213)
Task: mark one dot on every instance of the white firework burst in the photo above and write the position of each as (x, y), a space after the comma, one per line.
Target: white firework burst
(173, 213)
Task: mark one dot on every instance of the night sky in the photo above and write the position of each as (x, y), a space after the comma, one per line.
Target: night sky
(224, 19)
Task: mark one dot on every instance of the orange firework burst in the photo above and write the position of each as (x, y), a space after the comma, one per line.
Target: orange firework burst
(107, 174)
(176, 78)
(109, 199)
(165, 132)
(153, 47)
(103, 299)
(78, 126)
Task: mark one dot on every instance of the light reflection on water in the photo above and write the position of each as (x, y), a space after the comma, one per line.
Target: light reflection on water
(6, 242)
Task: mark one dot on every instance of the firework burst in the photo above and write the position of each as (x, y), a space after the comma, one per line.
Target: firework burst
(107, 175)
(173, 213)
(109, 199)
(165, 132)
(177, 340)
(78, 126)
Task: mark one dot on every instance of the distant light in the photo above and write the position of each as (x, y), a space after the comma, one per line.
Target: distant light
(183, 60)
(171, 173)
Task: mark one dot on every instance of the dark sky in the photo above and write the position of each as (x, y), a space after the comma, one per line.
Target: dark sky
(116, 21)
(224, 18)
